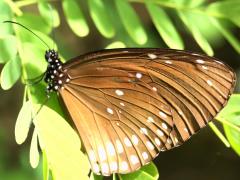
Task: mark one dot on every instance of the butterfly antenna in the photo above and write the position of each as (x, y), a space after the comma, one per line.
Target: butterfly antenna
(28, 30)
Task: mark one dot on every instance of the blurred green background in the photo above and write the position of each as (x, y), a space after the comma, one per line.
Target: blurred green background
(80, 26)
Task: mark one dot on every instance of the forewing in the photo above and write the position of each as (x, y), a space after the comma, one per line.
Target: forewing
(129, 104)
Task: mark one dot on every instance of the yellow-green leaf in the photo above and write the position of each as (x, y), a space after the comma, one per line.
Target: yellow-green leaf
(131, 21)
(147, 172)
(100, 16)
(34, 153)
(11, 72)
(165, 26)
(75, 17)
(62, 146)
(116, 44)
(8, 47)
(23, 122)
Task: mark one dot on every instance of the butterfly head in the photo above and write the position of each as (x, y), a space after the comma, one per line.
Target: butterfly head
(55, 75)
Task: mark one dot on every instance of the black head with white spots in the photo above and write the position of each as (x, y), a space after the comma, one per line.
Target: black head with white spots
(55, 75)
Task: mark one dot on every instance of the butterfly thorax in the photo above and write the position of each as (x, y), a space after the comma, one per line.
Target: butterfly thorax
(55, 75)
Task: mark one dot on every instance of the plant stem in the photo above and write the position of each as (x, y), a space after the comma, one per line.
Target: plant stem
(25, 3)
(219, 134)
(14, 7)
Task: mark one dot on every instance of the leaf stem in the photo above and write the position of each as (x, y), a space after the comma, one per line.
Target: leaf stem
(14, 7)
(25, 3)
(219, 134)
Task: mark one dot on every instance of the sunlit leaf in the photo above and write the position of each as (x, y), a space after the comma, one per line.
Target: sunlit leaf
(197, 35)
(45, 166)
(34, 153)
(23, 122)
(147, 172)
(131, 21)
(75, 17)
(11, 72)
(232, 134)
(62, 146)
(49, 13)
(8, 47)
(165, 26)
(230, 37)
(5, 15)
(116, 44)
(95, 177)
(35, 22)
(231, 108)
(227, 9)
(100, 16)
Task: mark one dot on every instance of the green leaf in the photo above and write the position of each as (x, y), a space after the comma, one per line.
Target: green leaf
(230, 37)
(62, 146)
(11, 72)
(49, 13)
(228, 9)
(131, 21)
(29, 20)
(197, 35)
(75, 17)
(100, 17)
(231, 108)
(232, 134)
(34, 153)
(165, 26)
(95, 177)
(6, 14)
(147, 172)
(45, 166)
(8, 46)
(116, 44)
(23, 122)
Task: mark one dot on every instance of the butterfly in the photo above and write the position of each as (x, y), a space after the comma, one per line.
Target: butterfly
(130, 104)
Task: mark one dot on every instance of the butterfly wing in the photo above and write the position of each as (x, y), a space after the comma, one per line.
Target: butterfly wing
(130, 104)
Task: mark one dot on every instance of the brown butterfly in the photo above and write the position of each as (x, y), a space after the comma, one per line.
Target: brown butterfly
(130, 104)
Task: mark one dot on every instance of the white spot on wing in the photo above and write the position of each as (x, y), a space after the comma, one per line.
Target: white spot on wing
(134, 139)
(105, 168)
(134, 159)
(164, 125)
(205, 67)
(119, 147)
(157, 141)
(110, 149)
(162, 114)
(92, 156)
(150, 119)
(152, 56)
(150, 145)
(127, 142)
(200, 61)
(145, 155)
(169, 141)
(154, 88)
(209, 82)
(109, 110)
(124, 166)
(102, 153)
(168, 62)
(138, 75)
(113, 166)
(144, 131)
(122, 104)
(96, 168)
(119, 92)
(160, 133)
